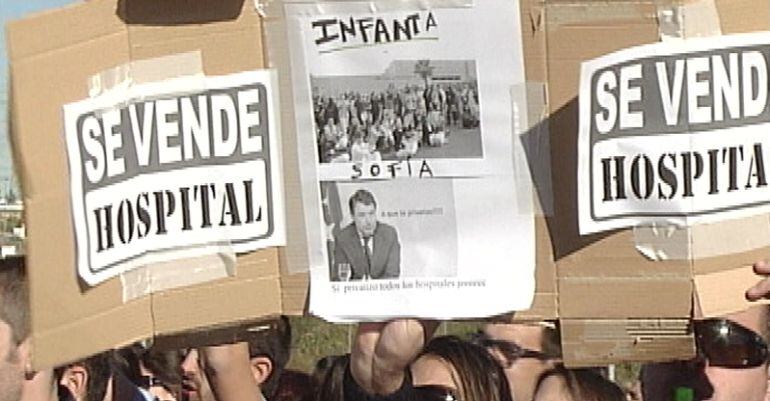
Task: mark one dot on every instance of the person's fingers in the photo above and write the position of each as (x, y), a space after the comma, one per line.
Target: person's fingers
(370, 327)
(762, 267)
(759, 291)
(430, 327)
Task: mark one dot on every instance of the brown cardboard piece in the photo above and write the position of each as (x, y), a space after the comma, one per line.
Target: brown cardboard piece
(614, 304)
(52, 55)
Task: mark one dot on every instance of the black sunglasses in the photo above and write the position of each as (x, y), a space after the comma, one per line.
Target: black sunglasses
(435, 392)
(146, 382)
(510, 350)
(729, 345)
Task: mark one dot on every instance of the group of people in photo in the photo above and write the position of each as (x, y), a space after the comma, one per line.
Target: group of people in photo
(394, 123)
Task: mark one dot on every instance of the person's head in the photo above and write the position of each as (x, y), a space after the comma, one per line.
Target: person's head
(88, 379)
(269, 350)
(156, 371)
(329, 376)
(449, 365)
(195, 384)
(14, 328)
(576, 385)
(525, 350)
(731, 364)
(363, 210)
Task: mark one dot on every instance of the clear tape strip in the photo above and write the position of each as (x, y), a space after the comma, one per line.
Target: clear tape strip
(269, 8)
(129, 83)
(181, 72)
(662, 241)
(298, 255)
(689, 20)
(189, 267)
(532, 152)
(559, 14)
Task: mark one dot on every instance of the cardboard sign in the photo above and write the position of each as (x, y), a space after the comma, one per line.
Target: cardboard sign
(70, 320)
(675, 132)
(159, 173)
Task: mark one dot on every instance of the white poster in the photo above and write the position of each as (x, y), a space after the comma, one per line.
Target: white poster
(675, 132)
(405, 134)
(165, 171)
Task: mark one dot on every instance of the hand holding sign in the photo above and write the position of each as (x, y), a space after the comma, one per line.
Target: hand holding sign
(761, 290)
(383, 351)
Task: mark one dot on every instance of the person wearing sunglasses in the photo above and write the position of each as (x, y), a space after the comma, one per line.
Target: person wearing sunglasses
(732, 356)
(586, 384)
(397, 361)
(525, 350)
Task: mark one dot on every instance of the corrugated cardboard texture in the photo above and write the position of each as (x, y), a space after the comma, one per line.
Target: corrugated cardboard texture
(52, 55)
(602, 342)
(545, 304)
(294, 291)
(608, 291)
(607, 265)
(726, 289)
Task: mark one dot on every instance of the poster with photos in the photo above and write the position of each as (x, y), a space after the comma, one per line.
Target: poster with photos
(403, 115)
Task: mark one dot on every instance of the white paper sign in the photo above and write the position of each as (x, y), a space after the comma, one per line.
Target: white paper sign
(164, 170)
(392, 107)
(675, 132)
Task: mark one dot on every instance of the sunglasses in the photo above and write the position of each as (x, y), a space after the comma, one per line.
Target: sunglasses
(727, 344)
(435, 393)
(510, 350)
(146, 382)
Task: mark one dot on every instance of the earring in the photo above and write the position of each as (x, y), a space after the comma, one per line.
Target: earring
(29, 373)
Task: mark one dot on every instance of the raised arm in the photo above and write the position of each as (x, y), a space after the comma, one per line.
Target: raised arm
(228, 369)
(382, 353)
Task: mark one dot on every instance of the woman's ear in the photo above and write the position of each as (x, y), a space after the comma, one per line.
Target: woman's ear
(261, 368)
(75, 379)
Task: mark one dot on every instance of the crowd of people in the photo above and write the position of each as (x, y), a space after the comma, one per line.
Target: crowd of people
(365, 126)
(395, 360)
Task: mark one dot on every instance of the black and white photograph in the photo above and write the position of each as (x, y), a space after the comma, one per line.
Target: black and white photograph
(377, 231)
(426, 109)
(405, 119)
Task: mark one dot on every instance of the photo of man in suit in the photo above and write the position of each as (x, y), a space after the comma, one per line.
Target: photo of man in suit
(369, 247)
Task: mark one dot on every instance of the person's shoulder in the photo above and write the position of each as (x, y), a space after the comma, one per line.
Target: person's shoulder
(348, 231)
(553, 387)
(386, 228)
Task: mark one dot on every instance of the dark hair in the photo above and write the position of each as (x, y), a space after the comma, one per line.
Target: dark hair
(481, 376)
(99, 369)
(586, 384)
(294, 386)
(361, 196)
(272, 341)
(14, 301)
(329, 376)
(164, 365)
(551, 340)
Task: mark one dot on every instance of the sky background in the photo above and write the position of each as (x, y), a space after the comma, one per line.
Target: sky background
(10, 10)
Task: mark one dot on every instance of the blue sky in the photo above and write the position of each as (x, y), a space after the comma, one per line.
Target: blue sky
(10, 10)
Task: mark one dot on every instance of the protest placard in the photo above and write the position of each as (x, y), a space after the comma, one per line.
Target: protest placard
(674, 132)
(405, 126)
(156, 170)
